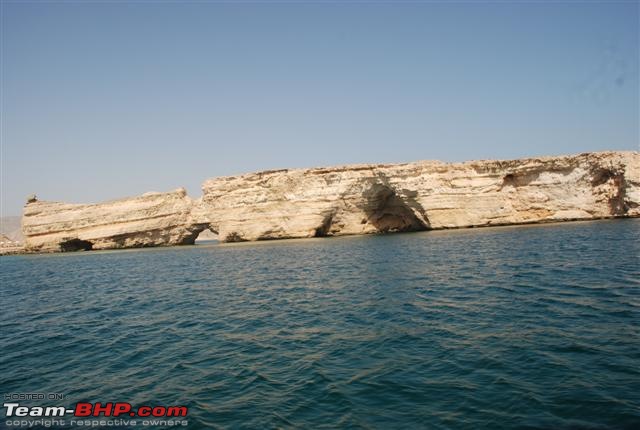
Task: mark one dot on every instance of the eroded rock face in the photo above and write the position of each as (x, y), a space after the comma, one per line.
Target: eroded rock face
(355, 199)
(422, 195)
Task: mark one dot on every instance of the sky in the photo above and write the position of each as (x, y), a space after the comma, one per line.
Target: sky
(102, 100)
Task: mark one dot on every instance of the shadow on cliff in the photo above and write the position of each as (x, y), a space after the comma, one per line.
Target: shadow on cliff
(381, 208)
(388, 213)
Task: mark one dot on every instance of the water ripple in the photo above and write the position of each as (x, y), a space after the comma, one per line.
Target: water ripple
(531, 327)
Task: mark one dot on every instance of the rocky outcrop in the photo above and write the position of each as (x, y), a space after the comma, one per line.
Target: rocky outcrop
(149, 220)
(355, 199)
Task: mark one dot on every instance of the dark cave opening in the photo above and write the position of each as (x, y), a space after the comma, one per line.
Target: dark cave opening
(76, 245)
(323, 230)
(509, 180)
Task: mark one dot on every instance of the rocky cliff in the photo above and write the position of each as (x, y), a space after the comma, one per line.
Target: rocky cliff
(355, 199)
(149, 220)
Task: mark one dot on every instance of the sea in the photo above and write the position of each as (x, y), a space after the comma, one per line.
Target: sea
(529, 327)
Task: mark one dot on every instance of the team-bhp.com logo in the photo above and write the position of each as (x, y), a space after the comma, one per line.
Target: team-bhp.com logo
(85, 413)
(96, 410)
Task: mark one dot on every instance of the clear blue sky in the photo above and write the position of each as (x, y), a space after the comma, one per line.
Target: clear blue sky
(108, 99)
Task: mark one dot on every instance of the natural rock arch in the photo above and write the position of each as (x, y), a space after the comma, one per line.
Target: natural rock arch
(194, 231)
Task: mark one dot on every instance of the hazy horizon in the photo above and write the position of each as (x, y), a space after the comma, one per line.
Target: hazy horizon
(108, 100)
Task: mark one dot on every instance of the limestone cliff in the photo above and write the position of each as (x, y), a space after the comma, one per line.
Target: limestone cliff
(419, 196)
(149, 220)
(355, 199)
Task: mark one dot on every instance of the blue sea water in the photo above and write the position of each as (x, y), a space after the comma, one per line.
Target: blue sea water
(534, 327)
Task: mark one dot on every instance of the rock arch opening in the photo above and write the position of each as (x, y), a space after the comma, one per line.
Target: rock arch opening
(199, 233)
(206, 235)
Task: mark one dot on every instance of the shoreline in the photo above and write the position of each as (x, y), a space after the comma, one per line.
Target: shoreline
(21, 251)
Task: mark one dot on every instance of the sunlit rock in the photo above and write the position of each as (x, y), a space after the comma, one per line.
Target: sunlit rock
(356, 199)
